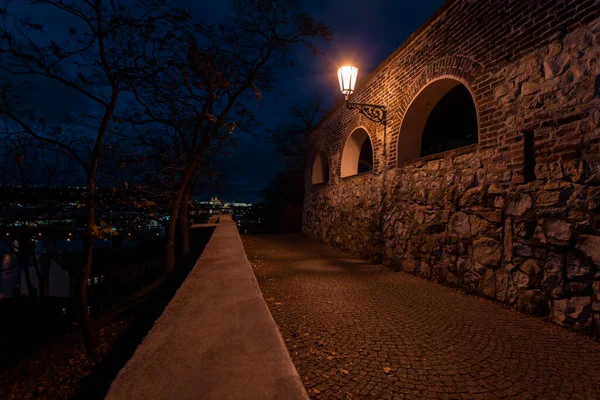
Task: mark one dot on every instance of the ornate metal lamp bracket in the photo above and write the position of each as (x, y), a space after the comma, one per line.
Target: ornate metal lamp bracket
(374, 112)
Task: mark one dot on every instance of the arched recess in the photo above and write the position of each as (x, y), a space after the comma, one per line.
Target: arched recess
(442, 117)
(320, 169)
(357, 156)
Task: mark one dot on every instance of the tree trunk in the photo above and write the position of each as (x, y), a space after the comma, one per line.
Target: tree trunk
(175, 206)
(31, 291)
(184, 223)
(36, 267)
(87, 332)
(171, 230)
(45, 261)
(85, 320)
(23, 254)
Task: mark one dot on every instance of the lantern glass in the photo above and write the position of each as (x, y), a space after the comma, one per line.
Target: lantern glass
(347, 77)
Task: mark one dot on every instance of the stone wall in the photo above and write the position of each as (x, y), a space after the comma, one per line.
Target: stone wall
(471, 218)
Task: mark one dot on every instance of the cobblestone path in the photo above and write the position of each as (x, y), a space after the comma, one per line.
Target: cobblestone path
(356, 330)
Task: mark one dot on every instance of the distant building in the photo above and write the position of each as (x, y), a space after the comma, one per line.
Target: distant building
(218, 206)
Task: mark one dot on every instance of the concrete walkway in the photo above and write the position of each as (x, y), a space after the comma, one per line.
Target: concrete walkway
(216, 338)
(360, 331)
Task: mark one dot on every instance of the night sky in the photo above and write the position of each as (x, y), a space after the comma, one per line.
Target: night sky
(366, 32)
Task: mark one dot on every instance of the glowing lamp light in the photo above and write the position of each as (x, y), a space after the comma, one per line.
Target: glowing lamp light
(347, 77)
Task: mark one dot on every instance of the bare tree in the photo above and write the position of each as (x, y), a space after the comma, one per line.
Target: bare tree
(289, 136)
(106, 48)
(285, 193)
(206, 96)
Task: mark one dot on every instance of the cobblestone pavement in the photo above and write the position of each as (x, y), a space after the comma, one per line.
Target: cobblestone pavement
(356, 330)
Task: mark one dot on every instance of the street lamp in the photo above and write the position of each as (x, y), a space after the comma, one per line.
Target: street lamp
(347, 75)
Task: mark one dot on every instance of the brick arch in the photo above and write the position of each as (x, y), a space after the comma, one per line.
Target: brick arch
(461, 69)
(350, 151)
(319, 142)
(315, 148)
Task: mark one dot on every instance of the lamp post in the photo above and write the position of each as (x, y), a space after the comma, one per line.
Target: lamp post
(377, 113)
(347, 77)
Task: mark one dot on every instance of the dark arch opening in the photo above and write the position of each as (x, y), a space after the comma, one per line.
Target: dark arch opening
(451, 124)
(357, 156)
(365, 160)
(320, 169)
(441, 117)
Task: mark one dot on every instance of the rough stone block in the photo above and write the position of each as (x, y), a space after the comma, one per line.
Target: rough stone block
(502, 285)
(488, 284)
(593, 199)
(533, 302)
(589, 246)
(508, 233)
(470, 282)
(558, 232)
(553, 280)
(460, 225)
(519, 205)
(576, 269)
(522, 280)
(479, 225)
(555, 65)
(529, 88)
(528, 251)
(548, 199)
(578, 311)
(578, 288)
(596, 288)
(472, 196)
(574, 170)
(486, 251)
